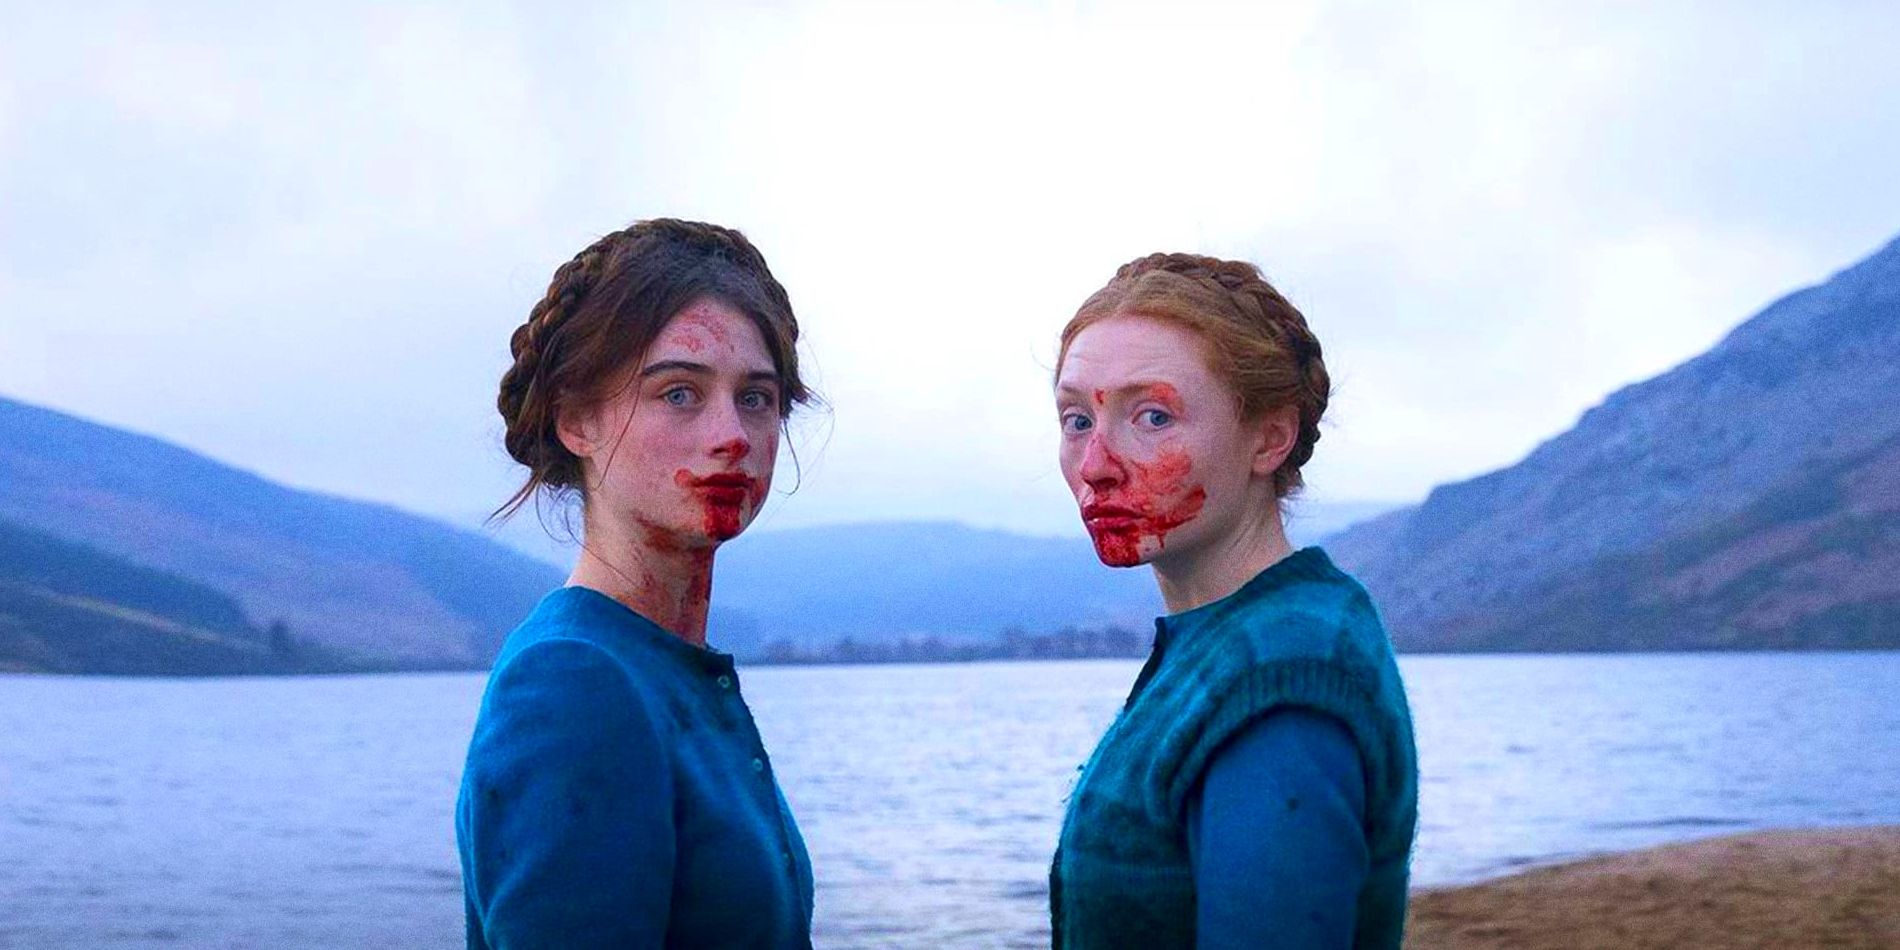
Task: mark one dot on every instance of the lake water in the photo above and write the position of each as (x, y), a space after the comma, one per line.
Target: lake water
(317, 812)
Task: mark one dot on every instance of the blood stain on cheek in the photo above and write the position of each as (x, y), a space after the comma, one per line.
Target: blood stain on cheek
(1158, 493)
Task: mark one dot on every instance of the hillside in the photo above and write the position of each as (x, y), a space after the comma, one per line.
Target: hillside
(887, 581)
(1628, 530)
(1815, 564)
(362, 579)
(65, 608)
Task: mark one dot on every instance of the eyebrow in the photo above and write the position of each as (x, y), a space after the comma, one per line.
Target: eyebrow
(1117, 390)
(667, 366)
(688, 366)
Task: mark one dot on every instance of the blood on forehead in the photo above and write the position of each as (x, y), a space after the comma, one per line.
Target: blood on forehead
(701, 324)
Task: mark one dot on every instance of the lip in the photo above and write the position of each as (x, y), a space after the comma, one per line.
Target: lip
(725, 489)
(1111, 518)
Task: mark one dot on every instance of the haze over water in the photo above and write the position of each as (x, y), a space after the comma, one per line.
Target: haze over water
(303, 812)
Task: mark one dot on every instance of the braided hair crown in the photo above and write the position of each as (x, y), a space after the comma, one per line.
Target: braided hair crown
(525, 401)
(602, 309)
(1260, 344)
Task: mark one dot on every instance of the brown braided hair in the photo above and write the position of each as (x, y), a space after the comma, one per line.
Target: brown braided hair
(600, 313)
(1257, 341)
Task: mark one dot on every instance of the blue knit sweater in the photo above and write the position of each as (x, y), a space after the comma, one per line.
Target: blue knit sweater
(617, 795)
(1301, 634)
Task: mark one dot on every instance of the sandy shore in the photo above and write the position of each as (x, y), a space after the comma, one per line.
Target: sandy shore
(1820, 888)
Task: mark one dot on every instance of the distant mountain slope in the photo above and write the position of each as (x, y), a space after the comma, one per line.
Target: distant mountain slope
(884, 581)
(1810, 384)
(546, 538)
(359, 577)
(66, 608)
(1814, 564)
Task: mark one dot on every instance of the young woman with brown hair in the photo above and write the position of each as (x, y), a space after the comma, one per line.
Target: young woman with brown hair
(1259, 787)
(616, 791)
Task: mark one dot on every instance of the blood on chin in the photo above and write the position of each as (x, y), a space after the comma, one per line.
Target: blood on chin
(725, 512)
(722, 509)
(724, 519)
(708, 523)
(1118, 548)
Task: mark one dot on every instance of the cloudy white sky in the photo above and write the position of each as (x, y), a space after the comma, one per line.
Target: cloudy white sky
(297, 240)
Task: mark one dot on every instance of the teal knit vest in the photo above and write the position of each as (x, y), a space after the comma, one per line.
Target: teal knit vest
(1301, 633)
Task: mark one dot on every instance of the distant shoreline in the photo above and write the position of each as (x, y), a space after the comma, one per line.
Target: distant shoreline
(889, 654)
(880, 655)
(1822, 887)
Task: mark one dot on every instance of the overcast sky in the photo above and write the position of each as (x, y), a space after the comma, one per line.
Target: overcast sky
(297, 240)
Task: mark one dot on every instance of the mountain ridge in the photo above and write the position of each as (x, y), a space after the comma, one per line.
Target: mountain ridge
(356, 576)
(1808, 379)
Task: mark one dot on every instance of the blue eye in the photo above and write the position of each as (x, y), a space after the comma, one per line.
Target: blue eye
(1077, 422)
(758, 399)
(678, 396)
(1154, 418)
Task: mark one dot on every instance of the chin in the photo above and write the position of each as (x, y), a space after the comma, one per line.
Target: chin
(722, 524)
(1117, 549)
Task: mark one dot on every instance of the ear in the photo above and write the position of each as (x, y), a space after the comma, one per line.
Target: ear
(578, 429)
(1277, 432)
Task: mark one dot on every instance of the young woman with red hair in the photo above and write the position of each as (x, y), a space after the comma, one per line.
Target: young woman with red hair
(1259, 787)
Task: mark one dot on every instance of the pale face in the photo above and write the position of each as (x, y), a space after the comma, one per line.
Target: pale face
(1153, 446)
(681, 452)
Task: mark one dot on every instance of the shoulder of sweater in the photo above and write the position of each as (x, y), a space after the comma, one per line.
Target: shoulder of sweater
(579, 615)
(550, 642)
(589, 679)
(1319, 618)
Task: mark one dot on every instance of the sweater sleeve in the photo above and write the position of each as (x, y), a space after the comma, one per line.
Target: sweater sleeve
(568, 818)
(1276, 834)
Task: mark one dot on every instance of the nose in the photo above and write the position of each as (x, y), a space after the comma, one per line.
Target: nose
(732, 450)
(1101, 469)
(731, 444)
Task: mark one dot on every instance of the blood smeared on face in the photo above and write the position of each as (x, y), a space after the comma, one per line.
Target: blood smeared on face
(1148, 437)
(686, 451)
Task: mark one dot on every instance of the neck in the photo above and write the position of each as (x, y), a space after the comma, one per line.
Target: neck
(1194, 578)
(649, 571)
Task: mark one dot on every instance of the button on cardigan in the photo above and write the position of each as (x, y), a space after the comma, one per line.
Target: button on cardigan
(617, 794)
